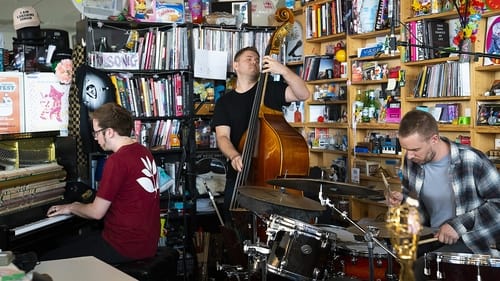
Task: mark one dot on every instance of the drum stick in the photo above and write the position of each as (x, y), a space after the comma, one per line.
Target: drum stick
(429, 240)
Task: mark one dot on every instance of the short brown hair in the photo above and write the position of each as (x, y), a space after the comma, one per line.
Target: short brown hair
(241, 51)
(418, 121)
(111, 115)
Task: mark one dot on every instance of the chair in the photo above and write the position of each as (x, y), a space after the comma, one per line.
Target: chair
(161, 267)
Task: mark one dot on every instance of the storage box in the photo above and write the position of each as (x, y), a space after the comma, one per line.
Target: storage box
(368, 168)
(393, 113)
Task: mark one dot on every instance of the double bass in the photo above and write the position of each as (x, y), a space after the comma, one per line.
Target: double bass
(271, 148)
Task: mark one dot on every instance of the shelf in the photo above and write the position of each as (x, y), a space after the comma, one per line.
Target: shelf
(488, 129)
(379, 179)
(369, 82)
(324, 150)
(413, 99)
(326, 81)
(378, 58)
(295, 63)
(326, 102)
(431, 61)
(370, 35)
(488, 68)
(488, 98)
(454, 128)
(378, 155)
(334, 125)
(333, 37)
(377, 126)
(445, 15)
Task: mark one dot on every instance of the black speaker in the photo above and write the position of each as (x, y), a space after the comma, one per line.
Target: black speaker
(94, 89)
(56, 37)
(66, 156)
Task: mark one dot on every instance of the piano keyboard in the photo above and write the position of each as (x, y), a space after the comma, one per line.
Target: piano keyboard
(39, 224)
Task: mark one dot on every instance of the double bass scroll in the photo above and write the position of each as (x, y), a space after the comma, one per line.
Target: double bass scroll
(271, 147)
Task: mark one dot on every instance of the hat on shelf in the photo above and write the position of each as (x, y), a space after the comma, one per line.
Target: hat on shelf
(27, 25)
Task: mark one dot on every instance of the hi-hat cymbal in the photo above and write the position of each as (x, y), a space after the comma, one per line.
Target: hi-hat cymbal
(329, 187)
(266, 201)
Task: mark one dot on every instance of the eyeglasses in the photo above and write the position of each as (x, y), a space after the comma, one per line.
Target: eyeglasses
(94, 133)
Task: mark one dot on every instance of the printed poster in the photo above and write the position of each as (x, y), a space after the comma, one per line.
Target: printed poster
(11, 89)
(46, 103)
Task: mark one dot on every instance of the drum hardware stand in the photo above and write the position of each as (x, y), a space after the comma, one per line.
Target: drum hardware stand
(390, 276)
(258, 254)
(211, 196)
(368, 235)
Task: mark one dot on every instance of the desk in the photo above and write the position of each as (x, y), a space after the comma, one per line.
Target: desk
(81, 269)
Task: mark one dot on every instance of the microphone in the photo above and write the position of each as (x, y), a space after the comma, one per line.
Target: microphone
(392, 37)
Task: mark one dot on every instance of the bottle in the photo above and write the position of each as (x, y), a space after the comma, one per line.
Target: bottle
(359, 100)
(317, 93)
(365, 114)
(371, 105)
(103, 45)
(297, 115)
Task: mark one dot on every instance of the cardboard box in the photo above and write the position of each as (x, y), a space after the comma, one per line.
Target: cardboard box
(368, 168)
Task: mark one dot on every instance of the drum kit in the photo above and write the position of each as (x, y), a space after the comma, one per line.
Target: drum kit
(298, 250)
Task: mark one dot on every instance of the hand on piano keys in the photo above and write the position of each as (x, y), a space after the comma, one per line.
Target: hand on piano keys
(58, 210)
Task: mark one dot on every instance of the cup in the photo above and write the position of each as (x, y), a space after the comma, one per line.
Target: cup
(464, 120)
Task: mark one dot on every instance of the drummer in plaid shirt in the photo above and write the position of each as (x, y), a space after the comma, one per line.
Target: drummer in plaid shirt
(457, 186)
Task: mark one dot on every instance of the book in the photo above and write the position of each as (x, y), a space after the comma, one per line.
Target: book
(438, 37)
(325, 67)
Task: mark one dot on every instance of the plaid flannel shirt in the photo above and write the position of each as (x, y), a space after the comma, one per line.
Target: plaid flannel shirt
(476, 184)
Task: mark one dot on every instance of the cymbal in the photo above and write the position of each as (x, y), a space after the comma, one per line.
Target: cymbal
(384, 231)
(329, 187)
(266, 200)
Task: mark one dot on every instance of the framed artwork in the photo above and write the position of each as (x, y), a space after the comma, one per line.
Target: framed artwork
(240, 10)
(294, 43)
(492, 41)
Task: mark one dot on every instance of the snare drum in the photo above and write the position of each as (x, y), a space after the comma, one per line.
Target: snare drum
(352, 259)
(298, 250)
(461, 266)
(342, 234)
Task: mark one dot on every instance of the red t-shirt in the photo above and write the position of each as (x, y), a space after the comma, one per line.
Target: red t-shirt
(129, 181)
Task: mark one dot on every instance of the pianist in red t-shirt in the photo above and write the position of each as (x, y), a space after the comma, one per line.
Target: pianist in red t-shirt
(127, 199)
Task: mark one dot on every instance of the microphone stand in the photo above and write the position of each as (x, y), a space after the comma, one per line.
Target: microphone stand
(368, 235)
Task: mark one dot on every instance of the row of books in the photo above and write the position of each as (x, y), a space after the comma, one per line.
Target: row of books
(324, 19)
(443, 80)
(428, 39)
(164, 49)
(159, 133)
(150, 96)
(317, 67)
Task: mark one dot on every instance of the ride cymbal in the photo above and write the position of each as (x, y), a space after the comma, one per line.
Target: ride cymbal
(329, 187)
(266, 201)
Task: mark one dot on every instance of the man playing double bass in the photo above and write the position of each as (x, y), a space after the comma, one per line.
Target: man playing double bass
(233, 110)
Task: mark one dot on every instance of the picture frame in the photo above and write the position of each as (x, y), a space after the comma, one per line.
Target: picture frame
(240, 9)
(492, 40)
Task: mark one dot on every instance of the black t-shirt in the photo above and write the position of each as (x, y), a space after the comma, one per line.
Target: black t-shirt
(234, 109)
